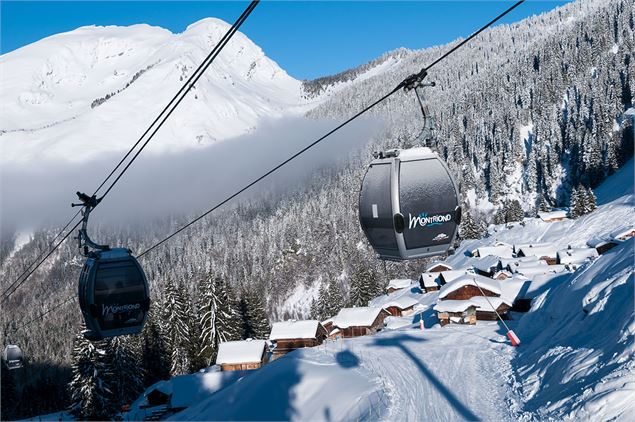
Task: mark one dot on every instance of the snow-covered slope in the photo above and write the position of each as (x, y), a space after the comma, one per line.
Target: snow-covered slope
(575, 361)
(78, 94)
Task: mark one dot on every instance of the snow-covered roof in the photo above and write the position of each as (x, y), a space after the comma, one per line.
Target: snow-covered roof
(451, 275)
(596, 242)
(535, 269)
(622, 232)
(453, 305)
(552, 215)
(403, 302)
(294, 329)
(243, 351)
(429, 279)
(514, 261)
(576, 255)
(499, 273)
(356, 317)
(512, 287)
(519, 246)
(485, 264)
(548, 250)
(484, 283)
(437, 265)
(399, 283)
(484, 306)
(501, 251)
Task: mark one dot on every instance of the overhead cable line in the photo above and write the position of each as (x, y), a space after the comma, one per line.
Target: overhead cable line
(156, 124)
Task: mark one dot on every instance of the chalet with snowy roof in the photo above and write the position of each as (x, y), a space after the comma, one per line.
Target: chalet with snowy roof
(398, 284)
(601, 245)
(447, 276)
(290, 335)
(355, 322)
(547, 252)
(437, 267)
(242, 355)
(456, 311)
(402, 306)
(501, 250)
(509, 263)
(486, 266)
(551, 216)
(487, 305)
(468, 286)
(501, 275)
(576, 256)
(428, 282)
(533, 269)
(622, 234)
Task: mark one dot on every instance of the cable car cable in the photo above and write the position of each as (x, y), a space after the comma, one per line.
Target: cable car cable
(161, 119)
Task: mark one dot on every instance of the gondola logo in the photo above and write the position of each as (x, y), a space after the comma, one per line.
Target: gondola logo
(425, 220)
(116, 309)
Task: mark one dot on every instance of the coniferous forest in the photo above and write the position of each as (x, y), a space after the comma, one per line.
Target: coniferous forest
(528, 116)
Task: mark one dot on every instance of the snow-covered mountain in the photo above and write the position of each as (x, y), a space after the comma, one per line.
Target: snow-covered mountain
(76, 95)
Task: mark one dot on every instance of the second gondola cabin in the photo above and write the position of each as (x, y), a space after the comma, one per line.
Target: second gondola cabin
(408, 205)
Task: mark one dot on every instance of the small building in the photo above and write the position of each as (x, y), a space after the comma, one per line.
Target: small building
(428, 282)
(534, 269)
(290, 335)
(507, 263)
(456, 311)
(501, 250)
(551, 216)
(328, 325)
(447, 276)
(398, 284)
(519, 246)
(502, 275)
(437, 267)
(576, 256)
(468, 286)
(525, 262)
(355, 322)
(486, 266)
(242, 355)
(546, 252)
(486, 306)
(601, 245)
(402, 306)
(622, 234)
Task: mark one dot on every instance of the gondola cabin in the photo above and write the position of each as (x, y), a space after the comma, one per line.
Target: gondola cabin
(12, 357)
(408, 205)
(113, 294)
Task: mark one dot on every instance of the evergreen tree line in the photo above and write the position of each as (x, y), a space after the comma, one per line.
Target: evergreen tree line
(181, 336)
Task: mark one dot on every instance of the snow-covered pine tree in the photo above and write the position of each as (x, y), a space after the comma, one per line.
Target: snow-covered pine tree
(257, 312)
(513, 211)
(469, 229)
(124, 371)
(313, 312)
(336, 299)
(176, 327)
(543, 206)
(91, 396)
(576, 203)
(323, 302)
(365, 285)
(590, 201)
(155, 357)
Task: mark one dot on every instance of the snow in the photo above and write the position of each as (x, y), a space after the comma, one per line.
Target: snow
(501, 251)
(532, 269)
(576, 255)
(615, 48)
(435, 265)
(596, 242)
(622, 232)
(429, 279)
(356, 317)
(484, 283)
(485, 264)
(454, 305)
(552, 215)
(403, 302)
(294, 329)
(485, 306)
(541, 251)
(399, 283)
(448, 276)
(511, 288)
(244, 351)
(22, 238)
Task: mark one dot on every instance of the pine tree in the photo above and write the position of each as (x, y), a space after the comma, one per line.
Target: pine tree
(91, 396)
(177, 328)
(155, 359)
(543, 206)
(336, 301)
(576, 204)
(590, 201)
(469, 229)
(323, 302)
(125, 373)
(513, 211)
(365, 285)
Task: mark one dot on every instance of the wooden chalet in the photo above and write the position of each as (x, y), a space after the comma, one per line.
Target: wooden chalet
(398, 284)
(456, 311)
(467, 286)
(485, 307)
(242, 355)
(576, 256)
(500, 249)
(551, 216)
(437, 267)
(622, 234)
(546, 252)
(447, 276)
(486, 266)
(402, 306)
(290, 335)
(428, 282)
(355, 322)
(501, 275)
(532, 269)
(601, 245)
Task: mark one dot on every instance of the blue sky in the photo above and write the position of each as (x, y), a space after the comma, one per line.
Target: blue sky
(307, 39)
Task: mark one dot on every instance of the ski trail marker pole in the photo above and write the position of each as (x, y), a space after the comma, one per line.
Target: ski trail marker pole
(511, 335)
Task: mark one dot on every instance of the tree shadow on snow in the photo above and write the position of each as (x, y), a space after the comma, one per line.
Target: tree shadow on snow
(399, 342)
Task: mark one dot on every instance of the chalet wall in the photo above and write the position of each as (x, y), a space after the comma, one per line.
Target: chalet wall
(468, 292)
